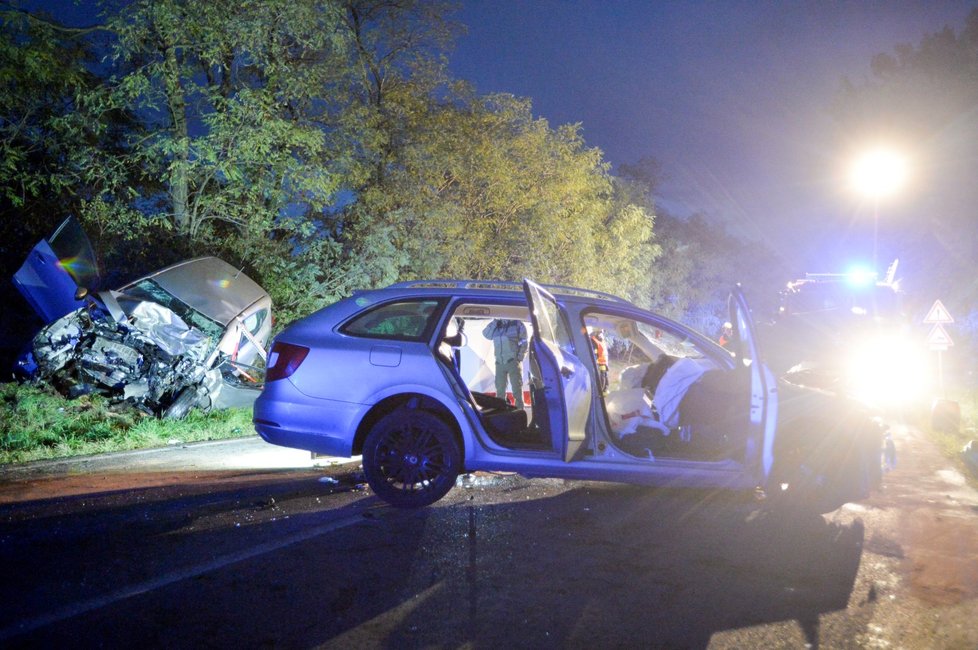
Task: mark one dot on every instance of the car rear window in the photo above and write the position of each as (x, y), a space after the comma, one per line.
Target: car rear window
(408, 320)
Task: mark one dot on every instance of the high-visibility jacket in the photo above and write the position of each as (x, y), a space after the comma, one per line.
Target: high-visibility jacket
(599, 351)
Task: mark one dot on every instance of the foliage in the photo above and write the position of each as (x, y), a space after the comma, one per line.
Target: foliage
(322, 146)
(222, 91)
(37, 423)
(41, 69)
(487, 191)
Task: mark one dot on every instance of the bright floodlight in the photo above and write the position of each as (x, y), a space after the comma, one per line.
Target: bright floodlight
(860, 277)
(879, 173)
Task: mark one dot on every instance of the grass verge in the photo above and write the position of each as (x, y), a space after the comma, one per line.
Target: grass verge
(951, 442)
(36, 423)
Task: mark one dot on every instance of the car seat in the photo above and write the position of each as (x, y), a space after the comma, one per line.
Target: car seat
(501, 419)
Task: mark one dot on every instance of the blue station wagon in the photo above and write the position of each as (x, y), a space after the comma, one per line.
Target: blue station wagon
(404, 377)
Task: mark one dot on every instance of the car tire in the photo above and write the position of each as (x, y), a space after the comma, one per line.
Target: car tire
(805, 478)
(411, 458)
(186, 400)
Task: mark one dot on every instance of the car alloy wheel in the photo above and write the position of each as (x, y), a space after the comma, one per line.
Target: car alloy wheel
(411, 458)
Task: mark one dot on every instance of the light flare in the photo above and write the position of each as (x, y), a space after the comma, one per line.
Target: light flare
(889, 370)
(879, 173)
(77, 267)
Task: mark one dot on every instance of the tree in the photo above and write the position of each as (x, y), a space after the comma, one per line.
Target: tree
(223, 90)
(241, 148)
(485, 190)
(42, 68)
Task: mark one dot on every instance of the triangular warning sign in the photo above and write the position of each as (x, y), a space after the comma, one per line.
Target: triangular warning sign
(938, 339)
(938, 314)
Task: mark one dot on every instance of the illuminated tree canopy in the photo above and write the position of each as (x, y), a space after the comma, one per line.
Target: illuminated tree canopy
(321, 144)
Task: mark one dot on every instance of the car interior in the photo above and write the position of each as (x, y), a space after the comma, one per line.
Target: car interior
(665, 397)
(469, 355)
(668, 398)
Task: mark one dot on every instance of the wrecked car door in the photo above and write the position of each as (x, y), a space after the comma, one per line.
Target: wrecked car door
(566, 382)
(55, 269)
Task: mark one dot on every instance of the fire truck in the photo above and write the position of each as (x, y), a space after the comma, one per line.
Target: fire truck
(848, 332)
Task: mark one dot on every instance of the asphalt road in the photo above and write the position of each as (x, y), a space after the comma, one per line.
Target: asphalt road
(188, 552)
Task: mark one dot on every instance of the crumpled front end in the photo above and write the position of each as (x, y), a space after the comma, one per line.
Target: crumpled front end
(148, 360)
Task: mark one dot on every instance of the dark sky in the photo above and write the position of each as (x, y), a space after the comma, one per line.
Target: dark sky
(730, 97)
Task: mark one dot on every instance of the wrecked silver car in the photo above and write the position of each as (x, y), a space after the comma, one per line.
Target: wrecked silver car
(186, 336)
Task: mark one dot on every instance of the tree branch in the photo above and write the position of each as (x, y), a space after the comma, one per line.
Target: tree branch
(6, 9)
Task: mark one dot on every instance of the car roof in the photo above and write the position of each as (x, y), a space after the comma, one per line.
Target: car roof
(501, 288)
(210, 285)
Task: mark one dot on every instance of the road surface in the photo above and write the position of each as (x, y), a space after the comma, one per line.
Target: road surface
(192, 553)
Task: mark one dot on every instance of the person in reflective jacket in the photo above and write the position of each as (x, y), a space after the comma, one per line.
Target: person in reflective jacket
(509, 342)
(601, 356)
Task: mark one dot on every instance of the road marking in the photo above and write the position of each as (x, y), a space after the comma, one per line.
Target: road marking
(84, 607)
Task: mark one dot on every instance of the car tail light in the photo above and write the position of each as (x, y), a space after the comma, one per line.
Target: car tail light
(283, 360)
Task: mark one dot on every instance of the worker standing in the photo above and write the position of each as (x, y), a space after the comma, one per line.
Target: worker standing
(509, 342)
(726, 335)
(601, 354)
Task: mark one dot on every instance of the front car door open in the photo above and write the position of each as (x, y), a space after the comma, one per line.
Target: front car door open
(566, 382)
(763, 387)
(55, 269)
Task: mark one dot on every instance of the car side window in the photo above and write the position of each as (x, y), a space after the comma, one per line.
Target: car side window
(254, 322)
(407, 320)
(554, 329)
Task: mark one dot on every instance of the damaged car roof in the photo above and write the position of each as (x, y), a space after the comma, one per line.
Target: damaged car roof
(210, 285)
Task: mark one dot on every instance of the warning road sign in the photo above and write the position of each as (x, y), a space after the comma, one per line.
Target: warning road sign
(938, 314)
(938, 339)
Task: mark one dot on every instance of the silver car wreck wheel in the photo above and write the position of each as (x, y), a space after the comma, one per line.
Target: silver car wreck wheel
(411, 458)
(188, 398)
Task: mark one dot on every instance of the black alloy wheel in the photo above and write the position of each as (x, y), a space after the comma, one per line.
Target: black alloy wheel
(411, 458)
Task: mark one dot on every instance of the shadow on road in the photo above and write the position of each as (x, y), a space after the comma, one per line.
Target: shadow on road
(594, 565)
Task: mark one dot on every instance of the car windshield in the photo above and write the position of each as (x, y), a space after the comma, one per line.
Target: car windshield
(149, 290)
(668, 342)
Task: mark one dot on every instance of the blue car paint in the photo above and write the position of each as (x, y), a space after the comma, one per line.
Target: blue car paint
(46, 285)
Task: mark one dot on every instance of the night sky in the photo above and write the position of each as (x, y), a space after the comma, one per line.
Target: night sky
(730, 97)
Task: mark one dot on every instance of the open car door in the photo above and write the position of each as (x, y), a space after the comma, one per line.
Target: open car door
(763, 387)
(55, 269)
(566, 382)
